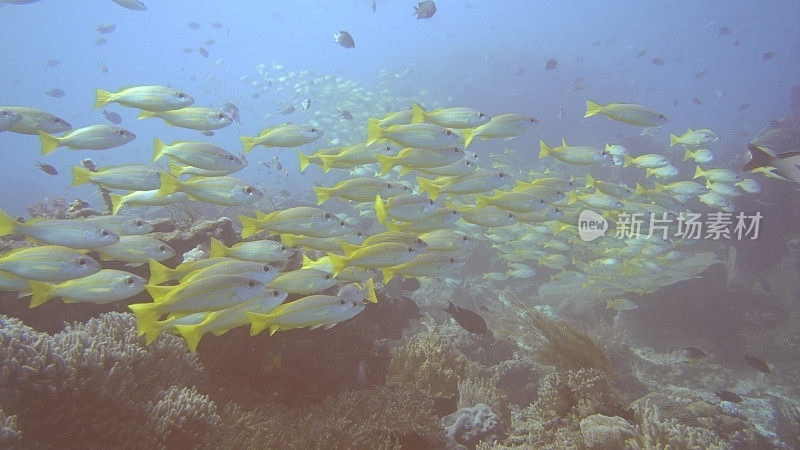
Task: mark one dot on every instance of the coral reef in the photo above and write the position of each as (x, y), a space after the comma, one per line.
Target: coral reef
(604, 432)
(469, 426)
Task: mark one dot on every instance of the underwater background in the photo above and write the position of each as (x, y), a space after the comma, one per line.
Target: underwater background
(552, 340)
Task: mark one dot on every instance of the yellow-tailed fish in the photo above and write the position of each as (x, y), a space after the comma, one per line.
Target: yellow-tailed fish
(198, 154)
(416, 158)
(356, 155)
(716, 200)
(224, 191)
(360, 190)
(574, 154)
(667, 171)
(136, 250)
(460, 167)
(193, 117)
(599, 201)
(48, 263)
(300, 219)
(693, 138)
(727, 190)
(105, 286)
(93, 137)
(425, 265)
(286, 135)
(8, 118)
(146, 198)
(660, 198)
(177, 169)
(556, 183)
(263, 251)
(150, 98)
(449, 117)
(629, 113)
(374, 256)
(33, 121)
(160, 273)
(689, 188)
(133, 177)
(516, 201)
(506, 126)
(315, 311)
(258, 271)
(325, 244)
(73, 233)
(405, 207)
(444, 240)
(476, 182)
(612, 189)
(554, 261)
(416, 135)
(487, 216)
(396, 118)
(439, 218)
(302, 281)
(701, 155)
(750, 186)
(316, 157)
(399, 237)
(717, 175)
(220, 322)
(650, 161)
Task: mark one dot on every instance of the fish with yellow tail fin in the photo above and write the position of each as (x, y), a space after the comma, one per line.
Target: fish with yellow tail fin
(487, 216)
(121, 225)
(396, 118)
(717, 175)
(612, 189)
(286, 135)
(34, 120)
(650, 161)
(302, 281)
(356, 155)
(160, 273)
(93, 137)
(481, 180)
(133, 177)
(325, 244)
(580, 155)
(194, 117)
(439, 218)
(252, 269)
(506, 126)
(667, 171)
(373, 256)
(425, 265)
(315, 158)
(105, 286)
(515, 201)
(146, 198)
(416, 158)
(70, 233)
(136, 250)
(360, 189)
(202, 155)
(415, 135)
(263, 251)
(316, 310)
(449, 117)
(298, 220)
(629, 113)
(224, 320)
(48, 263)
(404, 207)
(701, 155)
(149, 98)
(223, 191)
(693, 138)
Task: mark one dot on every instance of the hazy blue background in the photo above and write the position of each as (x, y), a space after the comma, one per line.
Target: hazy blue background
(469, 52)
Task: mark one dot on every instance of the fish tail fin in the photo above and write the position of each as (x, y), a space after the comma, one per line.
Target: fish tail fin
(158, 149)
(572, 197)
(371, 297)
(628, 161)
(258, 322)
(468, 135)
(42, 292)
(304, 160)
(380, 209)
(374, 131)
(386, 162)
(544, 149)
(658, 187)
(648, 172)
(159, 273)
(327, 162)
(49, 142)
(323, 194)
(102, 98)
(248, 143)
(687, 154)
(338, 262)
(698, 172)
(388, 274)
(176, 169)
(146, 115)
(290, 240)
(590, 180)
(249, 226)
(191, 334)
(758, 158)
(673, 140)
(592, 108)
(218, 249)
(146, 317)
(169, 184)
(640, 190)
(7, 223)
(429, 187)
(80, 175)
(116, 202)
(418, 114)
(481, 200)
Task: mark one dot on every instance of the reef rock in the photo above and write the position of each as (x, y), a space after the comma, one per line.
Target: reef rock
(469, 426)
(604, 432)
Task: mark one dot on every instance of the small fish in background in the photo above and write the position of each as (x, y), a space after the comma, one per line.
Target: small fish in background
(345, 114)
(743, 106)
(344, 39)
(374, 6)
(724, 31)
(194, 25)
(208, 133)
(55, 93)
(692, 355)
(696, 101)
(657, 61)
(641, 53)
(187, 50)
(767, 55)
(52, 63)
(757, 363)
(728, 396)
(47, 168)
(106, 28)
(134, 5)
(210, 42)
(216, 24)
(232, 111)
(102, 67)
(286, 110)
(425, 10)
(621, 304)
(700, 74)
(305, 103)
(203, 52)
(467, 319)
(552, 64)
(112, 117)
(100, 41)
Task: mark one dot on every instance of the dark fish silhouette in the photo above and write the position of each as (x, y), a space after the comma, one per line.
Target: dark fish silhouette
(768, 55)
(657, 61)
(724, 31)
(47, 168)
(203, 52)
(467, 319)
(55, 93)
(194, 25)
(728, 396)
(112, 117)
(345, 114)
(344, 39)
(757, 363)
(425, 10)
(106, 28)
(552, 64)
(410, 284)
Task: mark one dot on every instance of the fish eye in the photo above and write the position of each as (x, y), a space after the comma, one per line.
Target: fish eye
(501, 174)
(282, 248)
(327, 215)
(82, 261)
(410, 249)
(162, 248)
(313, 130)
(139, 223)
(104, 233)
(248, 190)
(341, 302)
(327, 276)
(221, 116)
(57, 120)
(180, 95)
(129, 281)
(467, 163)
(359, 234)
(430, 201)
(420, 241)
(452, 260)
(341, 223)
(464, 238)
(510, 216)
(121, 132)
(388, 185)
(455, 149)
(251, 283)
(453, 212)
(275, 293)
(231, 157)
(449, 133)
(481, 115)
